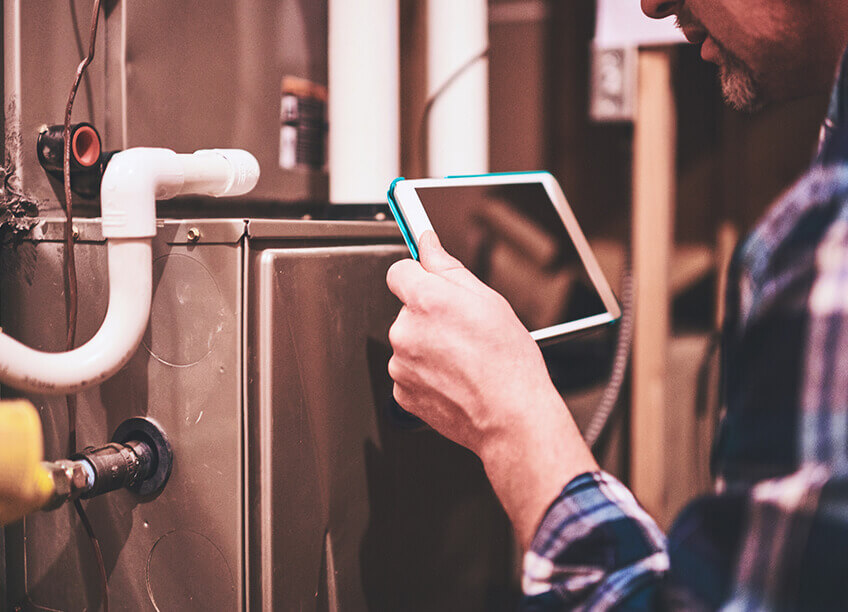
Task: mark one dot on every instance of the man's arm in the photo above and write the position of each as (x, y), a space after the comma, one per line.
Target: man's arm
(793, 553)
(465, 365)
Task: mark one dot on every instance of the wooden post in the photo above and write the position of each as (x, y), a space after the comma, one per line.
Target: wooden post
(654, 187)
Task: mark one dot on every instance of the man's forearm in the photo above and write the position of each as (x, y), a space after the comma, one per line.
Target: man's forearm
(530, 463)
(466, 365)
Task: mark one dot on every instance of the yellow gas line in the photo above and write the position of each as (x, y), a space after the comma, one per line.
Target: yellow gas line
(25, 484)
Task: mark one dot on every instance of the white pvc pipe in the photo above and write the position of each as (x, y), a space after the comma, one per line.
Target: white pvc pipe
(133, 181)
(364, 99)
(111, 347)
(458, 141)
(136, 178)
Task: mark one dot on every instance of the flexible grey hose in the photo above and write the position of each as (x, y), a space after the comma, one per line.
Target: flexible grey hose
(612, 392)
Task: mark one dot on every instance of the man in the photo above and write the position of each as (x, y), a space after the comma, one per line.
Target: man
(775, 535)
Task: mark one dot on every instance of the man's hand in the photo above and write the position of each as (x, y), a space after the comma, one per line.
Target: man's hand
(465, 364)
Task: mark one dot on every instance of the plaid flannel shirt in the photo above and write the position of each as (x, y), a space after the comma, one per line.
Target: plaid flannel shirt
(775, 534)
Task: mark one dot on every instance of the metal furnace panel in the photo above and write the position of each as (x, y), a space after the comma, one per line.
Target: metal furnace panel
(43, 41)
(347, 509)
(184, 75)
(182, 549)
(201, 74)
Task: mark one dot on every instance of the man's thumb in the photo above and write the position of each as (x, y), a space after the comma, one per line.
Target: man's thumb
(436, 259)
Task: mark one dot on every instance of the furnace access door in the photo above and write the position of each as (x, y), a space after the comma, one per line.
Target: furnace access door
(296, 483)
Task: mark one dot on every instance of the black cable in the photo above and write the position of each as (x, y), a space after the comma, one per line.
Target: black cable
(428, 107)
(98, 554)
(71, 289)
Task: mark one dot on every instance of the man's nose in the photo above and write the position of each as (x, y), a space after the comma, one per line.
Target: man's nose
(659, 9)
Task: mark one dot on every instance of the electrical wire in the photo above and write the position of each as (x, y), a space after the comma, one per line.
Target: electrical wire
(612, 392)
(71, 290)
(428, 107)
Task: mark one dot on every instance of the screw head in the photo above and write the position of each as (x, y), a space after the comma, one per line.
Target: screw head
(193, 234)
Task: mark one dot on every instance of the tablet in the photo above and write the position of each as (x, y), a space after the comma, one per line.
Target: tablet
(516, 233)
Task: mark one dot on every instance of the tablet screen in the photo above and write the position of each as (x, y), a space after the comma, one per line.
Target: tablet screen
(513, 239)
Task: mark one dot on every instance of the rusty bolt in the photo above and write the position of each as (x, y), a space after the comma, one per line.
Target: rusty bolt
(193, 234)
(79, 478)
(62, 487)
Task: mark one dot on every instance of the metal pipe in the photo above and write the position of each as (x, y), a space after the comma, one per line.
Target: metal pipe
(138, 458)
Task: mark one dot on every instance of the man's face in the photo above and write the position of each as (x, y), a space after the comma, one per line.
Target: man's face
(765, 49)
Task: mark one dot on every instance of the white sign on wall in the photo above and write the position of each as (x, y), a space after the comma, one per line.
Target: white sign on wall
(621, 28)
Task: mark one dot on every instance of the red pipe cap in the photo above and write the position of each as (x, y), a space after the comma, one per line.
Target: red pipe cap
(85, 146)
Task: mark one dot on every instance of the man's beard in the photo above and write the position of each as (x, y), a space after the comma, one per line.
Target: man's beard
(739, 85)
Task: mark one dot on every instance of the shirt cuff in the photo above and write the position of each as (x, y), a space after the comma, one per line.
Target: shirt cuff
(595, 544)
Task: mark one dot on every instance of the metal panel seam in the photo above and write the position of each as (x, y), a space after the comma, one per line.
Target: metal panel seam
(243, 473)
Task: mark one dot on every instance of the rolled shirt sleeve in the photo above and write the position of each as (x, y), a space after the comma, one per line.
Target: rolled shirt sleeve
(596, 548)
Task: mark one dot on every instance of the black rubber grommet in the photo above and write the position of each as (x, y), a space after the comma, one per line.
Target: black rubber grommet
(147, 430)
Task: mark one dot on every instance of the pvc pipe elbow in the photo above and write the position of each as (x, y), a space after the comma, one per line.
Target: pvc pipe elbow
(132, 182)
(130, 291)
(136, 178)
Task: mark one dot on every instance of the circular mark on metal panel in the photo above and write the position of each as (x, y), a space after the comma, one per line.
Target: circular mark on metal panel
(186, 571)
(187, 314)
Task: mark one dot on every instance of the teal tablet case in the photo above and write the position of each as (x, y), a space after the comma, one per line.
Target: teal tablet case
(404, 228)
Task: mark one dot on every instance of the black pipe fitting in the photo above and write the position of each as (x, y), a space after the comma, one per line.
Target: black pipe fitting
(139, 458)
(88, 160)
(115, 466)
(86, 148)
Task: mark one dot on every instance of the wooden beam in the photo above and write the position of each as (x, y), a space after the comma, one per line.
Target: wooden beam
(654, 187)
